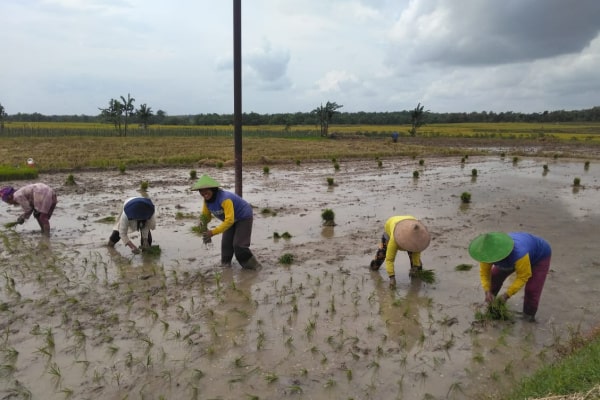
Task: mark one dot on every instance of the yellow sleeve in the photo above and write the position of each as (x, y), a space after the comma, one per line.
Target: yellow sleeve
(485, 274)
(390, 256)
(227, 206)
(523, 270)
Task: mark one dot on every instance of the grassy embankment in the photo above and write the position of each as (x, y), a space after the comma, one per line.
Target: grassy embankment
(575, 376)
(64, 146)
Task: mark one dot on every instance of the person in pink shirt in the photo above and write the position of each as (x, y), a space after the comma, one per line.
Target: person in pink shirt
(38, 199)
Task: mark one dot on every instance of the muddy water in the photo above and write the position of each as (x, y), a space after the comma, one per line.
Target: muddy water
(92, 322)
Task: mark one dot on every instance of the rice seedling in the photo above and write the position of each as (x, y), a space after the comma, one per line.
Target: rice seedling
(425, 275)
(576, 182)
(330, 181)
(54, 371)
(266, 170)
(415, 174)
(297, 162)
(515, 160)
(495, 310)
(545, 167)
(193, 175)
(330, 383)
(379, 164)
(465, 197)
(286, 259)
(474, 172)
(421, 162)
(153, 250)
(271, 377)
(336, 166)
(219, 164)
(70, 180)
(328, 217)
(122, 168)
(462, 160)
(144, 186)
(586, 165)
(463, 267)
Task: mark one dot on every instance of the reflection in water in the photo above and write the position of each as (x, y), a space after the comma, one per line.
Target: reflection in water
(327, 232)
(401, 314)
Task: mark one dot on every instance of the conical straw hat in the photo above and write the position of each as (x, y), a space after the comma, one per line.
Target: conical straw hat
(411, 235)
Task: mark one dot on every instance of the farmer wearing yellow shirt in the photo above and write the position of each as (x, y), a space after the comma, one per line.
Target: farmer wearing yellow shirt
(407, 234)
(500, 254)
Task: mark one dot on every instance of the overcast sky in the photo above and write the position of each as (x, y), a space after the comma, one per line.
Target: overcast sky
(72, 56)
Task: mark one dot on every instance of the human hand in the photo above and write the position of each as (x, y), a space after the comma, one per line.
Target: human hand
(489, 297)
(392, 282)
(21, 220)
(206, 237)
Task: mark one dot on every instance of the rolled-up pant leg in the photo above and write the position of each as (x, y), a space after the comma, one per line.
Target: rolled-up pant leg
(535, 285)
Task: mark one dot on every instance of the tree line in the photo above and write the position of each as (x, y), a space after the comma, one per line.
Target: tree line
(118, 110)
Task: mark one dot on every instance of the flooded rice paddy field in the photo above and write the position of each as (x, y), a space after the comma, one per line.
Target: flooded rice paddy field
(81, 320)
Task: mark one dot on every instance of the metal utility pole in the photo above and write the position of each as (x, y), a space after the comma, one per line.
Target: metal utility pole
(237, 93)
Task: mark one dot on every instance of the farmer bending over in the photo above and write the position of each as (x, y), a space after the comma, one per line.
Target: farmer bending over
(38, 199)
(408, 234)
(500, 254)
(137, 215)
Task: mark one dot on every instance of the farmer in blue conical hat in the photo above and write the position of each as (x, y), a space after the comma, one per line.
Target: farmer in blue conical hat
(500, 254)
(137, 215)
(236, 218)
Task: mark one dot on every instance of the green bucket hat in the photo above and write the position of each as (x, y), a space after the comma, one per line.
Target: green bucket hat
(205, 182)
(491, 247)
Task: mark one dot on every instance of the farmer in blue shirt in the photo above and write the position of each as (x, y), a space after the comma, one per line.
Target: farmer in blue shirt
(500, 254)
(236, 218)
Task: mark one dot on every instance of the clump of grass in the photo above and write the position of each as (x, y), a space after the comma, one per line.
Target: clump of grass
(576, 182)
(496, 310)
(425, 275)
(416, 174)
(144, 185)
(465, 197)
(266, 170)
(107, 220)
(463, 267)
(328, 217)
(70, 180)
(193, 174)
(286, 259)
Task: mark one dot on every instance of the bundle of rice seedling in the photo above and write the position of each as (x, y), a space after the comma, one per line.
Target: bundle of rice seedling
(426, 275)
(9, 225)
(496, 310)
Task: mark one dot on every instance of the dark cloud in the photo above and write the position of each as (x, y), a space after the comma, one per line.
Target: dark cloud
(475, 32)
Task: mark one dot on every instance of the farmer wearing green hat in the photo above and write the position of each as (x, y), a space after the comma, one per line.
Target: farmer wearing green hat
(500, 254)
(236, 218)
(401, 233)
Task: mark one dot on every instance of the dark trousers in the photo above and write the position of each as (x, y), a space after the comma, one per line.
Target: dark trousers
(533, 287)
(236, 241)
